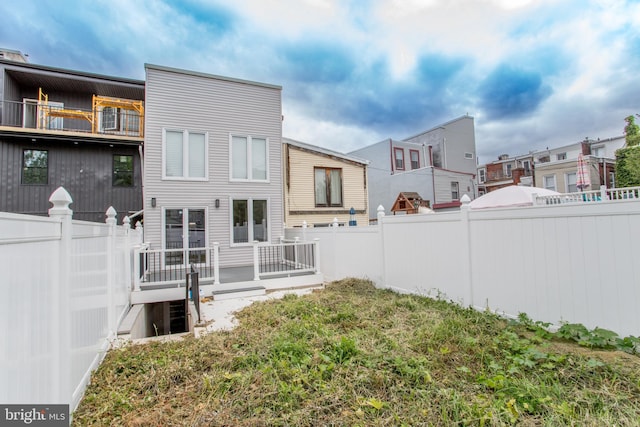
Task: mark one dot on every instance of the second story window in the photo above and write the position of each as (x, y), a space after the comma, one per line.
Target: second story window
(109, 118)
(35, 167)
(415, 159)
(507, 169)
(185, 155)
(549, 182)
(561, 156)
(122, 171)
(249, 158)
(398, 154)
(482, 175)
(571, 182)
(328, 187)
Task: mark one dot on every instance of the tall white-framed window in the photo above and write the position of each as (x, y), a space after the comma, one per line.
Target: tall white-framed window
(507, 169)
(597, 151)
(526, 165)
(455, 191)
(482, 175)
(398, 154)
(249, 220)
(570, 182)
(549, 182)
(414, 155)
(184, 155)
(249, 160)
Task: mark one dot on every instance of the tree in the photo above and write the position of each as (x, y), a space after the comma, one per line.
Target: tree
(632, 132)
(628, 158)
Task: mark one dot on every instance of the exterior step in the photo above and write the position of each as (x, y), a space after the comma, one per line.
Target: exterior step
(239, 293)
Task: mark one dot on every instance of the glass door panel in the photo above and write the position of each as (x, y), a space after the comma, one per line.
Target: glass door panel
(197, 236)
(174, 236)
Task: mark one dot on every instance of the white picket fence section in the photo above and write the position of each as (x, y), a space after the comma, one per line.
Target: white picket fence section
(571, 262)
(65, 286)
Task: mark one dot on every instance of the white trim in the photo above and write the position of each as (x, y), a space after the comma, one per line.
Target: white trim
(249, 158)
(249, 219)
(185, 155)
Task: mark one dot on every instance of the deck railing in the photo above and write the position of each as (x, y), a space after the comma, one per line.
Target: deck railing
(107, 121)
(168, 267)
(286, 257)
(607, 194)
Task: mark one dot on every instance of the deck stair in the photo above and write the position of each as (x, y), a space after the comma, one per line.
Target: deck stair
(252, 291)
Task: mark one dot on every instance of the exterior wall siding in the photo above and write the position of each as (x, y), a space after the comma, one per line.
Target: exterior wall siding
(84, 170)
(189, 101)
(450, 142)
(300, 191)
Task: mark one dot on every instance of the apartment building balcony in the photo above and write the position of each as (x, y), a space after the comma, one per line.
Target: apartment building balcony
(109, 118)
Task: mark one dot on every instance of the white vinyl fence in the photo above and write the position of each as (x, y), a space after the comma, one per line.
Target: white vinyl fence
(573, 262)
(65, 285)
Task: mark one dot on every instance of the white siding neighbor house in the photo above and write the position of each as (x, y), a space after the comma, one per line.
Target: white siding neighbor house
(439, 164)
(212, 170)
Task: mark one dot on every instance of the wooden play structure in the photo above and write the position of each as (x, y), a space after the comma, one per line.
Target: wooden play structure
(108, 115)
(409, 202)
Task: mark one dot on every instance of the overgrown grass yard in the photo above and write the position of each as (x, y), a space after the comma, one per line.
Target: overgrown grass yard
(356, 356)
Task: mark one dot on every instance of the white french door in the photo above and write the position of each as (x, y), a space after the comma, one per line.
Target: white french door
(185, 229)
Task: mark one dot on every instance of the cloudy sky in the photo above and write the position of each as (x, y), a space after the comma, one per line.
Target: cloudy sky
(533, 73)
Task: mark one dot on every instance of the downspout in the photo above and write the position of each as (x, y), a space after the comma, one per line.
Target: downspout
(444, 153)
(391, 155)
(141, 154)
(433, 176)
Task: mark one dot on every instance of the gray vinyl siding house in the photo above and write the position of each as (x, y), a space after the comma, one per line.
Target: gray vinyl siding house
(439, 164)
(44, 145)
(212, 173)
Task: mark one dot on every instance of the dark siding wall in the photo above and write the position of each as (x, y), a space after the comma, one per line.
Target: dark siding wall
(85, 170)
(11, 111)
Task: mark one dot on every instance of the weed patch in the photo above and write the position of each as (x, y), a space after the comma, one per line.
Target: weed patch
(355, 355)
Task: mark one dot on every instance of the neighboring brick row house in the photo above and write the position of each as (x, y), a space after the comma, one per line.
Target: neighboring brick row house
(554, 168)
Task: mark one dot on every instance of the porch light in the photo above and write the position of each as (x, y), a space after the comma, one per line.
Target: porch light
(352, 217)
(153, 202)
(217, 203)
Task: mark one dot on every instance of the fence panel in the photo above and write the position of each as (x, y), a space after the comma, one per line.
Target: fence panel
(571, 262)
(65, 285)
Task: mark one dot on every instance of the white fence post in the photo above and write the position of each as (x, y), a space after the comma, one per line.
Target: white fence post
(216, 263)
(296, 241)
(316, 253)
(256, 261)
(380, 214)
(111, 252)
(466, 245)
(61, 308)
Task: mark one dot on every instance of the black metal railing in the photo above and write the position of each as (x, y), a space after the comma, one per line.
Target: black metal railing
(108, 121)
(286, 257)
